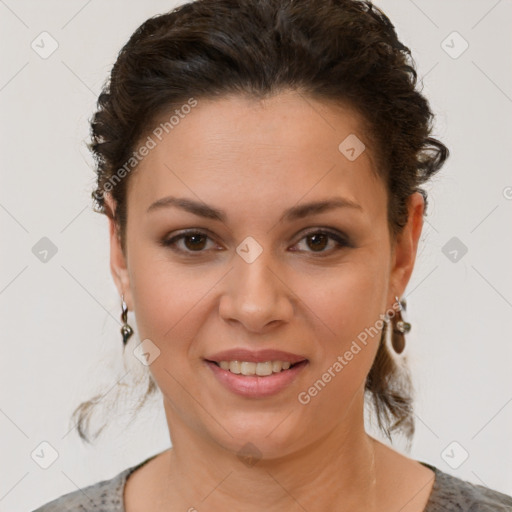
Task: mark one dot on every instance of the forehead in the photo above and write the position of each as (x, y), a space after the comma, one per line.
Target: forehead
(236, 150)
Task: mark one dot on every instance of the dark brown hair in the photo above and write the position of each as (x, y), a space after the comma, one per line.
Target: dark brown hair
(346, 51)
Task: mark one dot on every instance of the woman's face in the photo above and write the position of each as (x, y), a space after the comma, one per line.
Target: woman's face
(255, 277)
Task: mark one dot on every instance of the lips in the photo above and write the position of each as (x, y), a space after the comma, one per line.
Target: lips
(252, 356)
(238, 376)
(255, 386)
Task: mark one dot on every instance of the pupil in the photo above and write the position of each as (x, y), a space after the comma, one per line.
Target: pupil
(194, 244)
(322, 237)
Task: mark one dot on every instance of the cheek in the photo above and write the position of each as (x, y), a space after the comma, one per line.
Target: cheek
(349, 311)
(340, 302)
(170, 299)
(348, 299)
(160, 294)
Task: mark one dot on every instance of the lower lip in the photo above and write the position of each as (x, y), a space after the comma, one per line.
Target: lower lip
(255, 386)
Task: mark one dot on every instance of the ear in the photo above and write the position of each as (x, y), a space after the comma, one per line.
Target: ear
(118, 267)
(404, 254)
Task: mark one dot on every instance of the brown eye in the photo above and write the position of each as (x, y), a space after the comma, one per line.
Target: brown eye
(195, 242)
(188, 242)
(317, 241)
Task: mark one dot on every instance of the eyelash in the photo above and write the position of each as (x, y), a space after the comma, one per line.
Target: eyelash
(340, 240)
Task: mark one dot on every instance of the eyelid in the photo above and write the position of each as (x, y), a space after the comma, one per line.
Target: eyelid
(170, 242)
(340, 238)
(326, 231)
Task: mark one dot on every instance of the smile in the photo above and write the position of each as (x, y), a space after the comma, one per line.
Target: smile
(250, 368)
(241, 377)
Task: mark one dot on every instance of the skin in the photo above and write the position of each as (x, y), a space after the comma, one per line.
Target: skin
(254, 159)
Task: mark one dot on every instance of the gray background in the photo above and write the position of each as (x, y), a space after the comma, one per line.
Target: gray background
(60, 317)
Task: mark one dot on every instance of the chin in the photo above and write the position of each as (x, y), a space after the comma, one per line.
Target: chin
(262, 435)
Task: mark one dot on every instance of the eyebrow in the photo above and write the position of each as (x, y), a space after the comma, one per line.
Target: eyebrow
(294, 213)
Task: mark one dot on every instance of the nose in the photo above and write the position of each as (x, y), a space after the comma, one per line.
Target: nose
(256, 295)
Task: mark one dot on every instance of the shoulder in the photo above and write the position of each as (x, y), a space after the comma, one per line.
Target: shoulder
(451, 493)
(104, 496)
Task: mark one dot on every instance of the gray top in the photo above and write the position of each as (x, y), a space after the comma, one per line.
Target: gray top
(449, 494)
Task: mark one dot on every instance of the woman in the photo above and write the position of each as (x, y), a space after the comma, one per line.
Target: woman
(260, 164)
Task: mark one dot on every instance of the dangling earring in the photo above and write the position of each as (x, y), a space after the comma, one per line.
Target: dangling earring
(400, 327)
(126, 329)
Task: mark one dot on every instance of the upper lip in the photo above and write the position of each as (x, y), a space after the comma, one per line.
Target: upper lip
(255, 356)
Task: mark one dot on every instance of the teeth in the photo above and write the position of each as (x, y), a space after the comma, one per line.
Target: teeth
(247, 368)
(250, 368)
(234, 367)
(264, 368)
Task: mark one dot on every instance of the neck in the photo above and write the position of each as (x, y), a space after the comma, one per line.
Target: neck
(337, 472)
